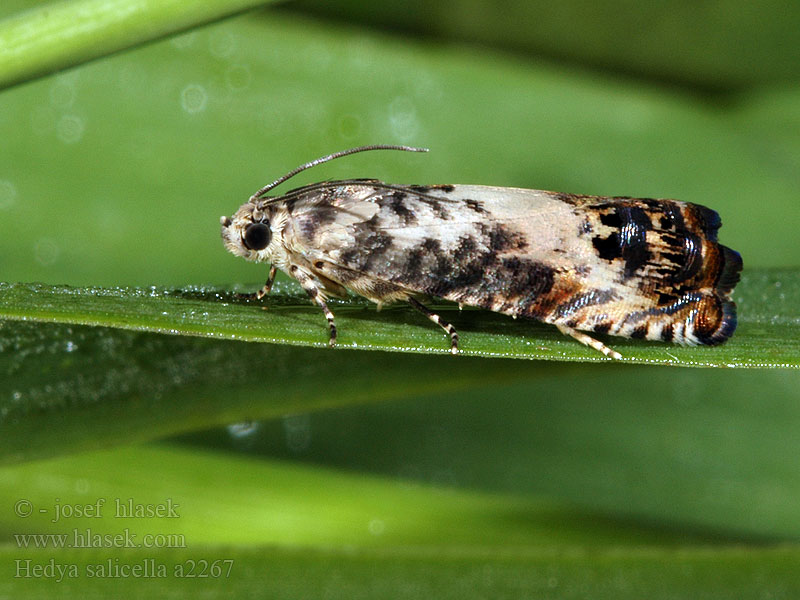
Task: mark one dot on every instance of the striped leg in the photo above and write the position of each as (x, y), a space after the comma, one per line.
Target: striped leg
(264, 291)
(451, 331)
(589, 341)
(312, 289)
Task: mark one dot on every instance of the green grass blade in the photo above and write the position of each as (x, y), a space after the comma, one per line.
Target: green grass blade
(768, 334)
(693, 44)
(293, 531)
(410, 574)
(273, 502)
(63, 34)
(70, 388)
(707, 448)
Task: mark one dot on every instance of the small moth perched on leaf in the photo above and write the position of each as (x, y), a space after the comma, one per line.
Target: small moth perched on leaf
(632, 267)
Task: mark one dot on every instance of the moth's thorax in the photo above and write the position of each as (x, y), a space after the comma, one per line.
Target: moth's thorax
(234, 230)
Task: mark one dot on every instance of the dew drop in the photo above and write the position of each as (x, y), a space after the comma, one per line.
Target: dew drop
(403, 118)
(243, 429)
(70, 129)
(349, 126)
(8, 194)
(194, 98)
(186, 40)
(222, 44)
(297, 429)
(45, 251)
(377, 527)
(62, 94)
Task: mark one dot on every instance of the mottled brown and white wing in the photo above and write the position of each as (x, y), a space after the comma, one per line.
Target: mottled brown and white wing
(632, 267)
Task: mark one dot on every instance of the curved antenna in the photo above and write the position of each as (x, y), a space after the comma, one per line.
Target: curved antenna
(330, 157)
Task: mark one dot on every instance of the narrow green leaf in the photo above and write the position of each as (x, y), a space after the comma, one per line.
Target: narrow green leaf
(693, 43)
(705, 448)
(768, 334)
(410, 574)
(69, 387)
(275, 502)
(290, 531)
(63, 34)
(72, 388)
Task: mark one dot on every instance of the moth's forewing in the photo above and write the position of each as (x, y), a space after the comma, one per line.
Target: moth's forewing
(632, 267)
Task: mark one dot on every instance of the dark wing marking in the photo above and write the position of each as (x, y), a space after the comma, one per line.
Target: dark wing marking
(667, 252)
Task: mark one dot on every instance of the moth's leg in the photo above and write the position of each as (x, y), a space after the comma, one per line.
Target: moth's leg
(312, 289)
(589, 341)
(451, 331)
(264, 291)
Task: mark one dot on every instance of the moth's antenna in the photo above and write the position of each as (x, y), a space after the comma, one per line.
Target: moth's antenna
(330, 157)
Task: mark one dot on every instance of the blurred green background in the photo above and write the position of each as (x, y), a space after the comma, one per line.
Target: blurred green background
(377, 474)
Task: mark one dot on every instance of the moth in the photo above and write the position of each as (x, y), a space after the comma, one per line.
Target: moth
(632, 267)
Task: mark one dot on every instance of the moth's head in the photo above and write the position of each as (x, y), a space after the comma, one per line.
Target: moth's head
(249, 232)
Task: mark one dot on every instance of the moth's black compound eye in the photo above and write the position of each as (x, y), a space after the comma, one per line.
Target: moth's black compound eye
(256, 236)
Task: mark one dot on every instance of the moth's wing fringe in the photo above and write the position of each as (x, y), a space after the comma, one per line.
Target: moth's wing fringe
(716, 319)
